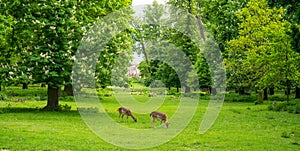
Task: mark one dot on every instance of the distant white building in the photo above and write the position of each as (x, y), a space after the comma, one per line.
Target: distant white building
(133, 71)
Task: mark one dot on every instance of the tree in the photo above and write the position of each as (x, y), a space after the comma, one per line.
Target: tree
(292, 15)
(6, 57)
(261, 54)
(149, 39)
(220, 18)
(115, 59)
(47, 35)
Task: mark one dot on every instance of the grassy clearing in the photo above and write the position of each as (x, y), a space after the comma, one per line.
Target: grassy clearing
(240, 126)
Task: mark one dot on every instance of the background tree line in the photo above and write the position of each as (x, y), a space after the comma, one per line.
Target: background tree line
(259, 41)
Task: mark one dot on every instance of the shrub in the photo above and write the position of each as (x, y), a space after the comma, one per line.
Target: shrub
(65, 107)
(290, 107)
(282, 106)
(235, 97)
(297, 109)
(3, 96)
(68, 98)
(270, 107)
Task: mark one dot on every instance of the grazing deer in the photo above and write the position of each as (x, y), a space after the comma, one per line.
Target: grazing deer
(125, 111)
(160, 116)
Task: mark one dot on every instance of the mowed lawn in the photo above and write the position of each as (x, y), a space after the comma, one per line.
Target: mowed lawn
(239, 126)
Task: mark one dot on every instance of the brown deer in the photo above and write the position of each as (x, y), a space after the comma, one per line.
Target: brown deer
(160, 116)
(125, 111)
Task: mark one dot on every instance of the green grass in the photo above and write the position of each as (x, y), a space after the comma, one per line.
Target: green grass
(239, 126)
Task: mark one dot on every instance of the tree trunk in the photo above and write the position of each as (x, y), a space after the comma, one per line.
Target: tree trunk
(0, 88)
(297, 93)
(288, 93)
(69, 90)
(266, 94)
(271, 92)
(59, 92)
(241, 91)
(43, 85)
(260, 96)
(177, 89)
(25, 86)
(213, 91)
(52, 103)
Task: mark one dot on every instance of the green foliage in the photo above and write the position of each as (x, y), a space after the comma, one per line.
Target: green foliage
(104, 92)
(7, 53)
(220, 18)
(235, 97)
(261, 55)
(290, 107)
(32, 91)
(46, 37)
(64, 107)
(3, 96)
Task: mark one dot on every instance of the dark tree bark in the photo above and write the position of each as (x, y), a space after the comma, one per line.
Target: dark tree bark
(25, 86)
(260, 97)
(69, 90)
(266, 94)
(53, 95)
(297, 93)
(59, 92)
(0, 88)
(43, 85)
(271, 92)
(288, 93)
(241, 91)
(213, 91)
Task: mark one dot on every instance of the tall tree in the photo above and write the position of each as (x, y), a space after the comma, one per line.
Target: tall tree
(292, 15)
(48, 33)
(261, 55)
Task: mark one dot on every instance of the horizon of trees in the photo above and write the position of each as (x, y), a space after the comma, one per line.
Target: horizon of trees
(259, 41)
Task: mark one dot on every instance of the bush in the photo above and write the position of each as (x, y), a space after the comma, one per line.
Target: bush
(282, 106)
(3, 96)
(235, 97)
(290, 107)
(65, 107)
(173, 92)
(270, 107)
(297, 109)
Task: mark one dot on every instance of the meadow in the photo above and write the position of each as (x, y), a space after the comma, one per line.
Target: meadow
(241, 125)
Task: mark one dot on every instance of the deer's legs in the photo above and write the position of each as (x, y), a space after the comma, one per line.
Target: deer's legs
(123, 117)
(152, 121)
